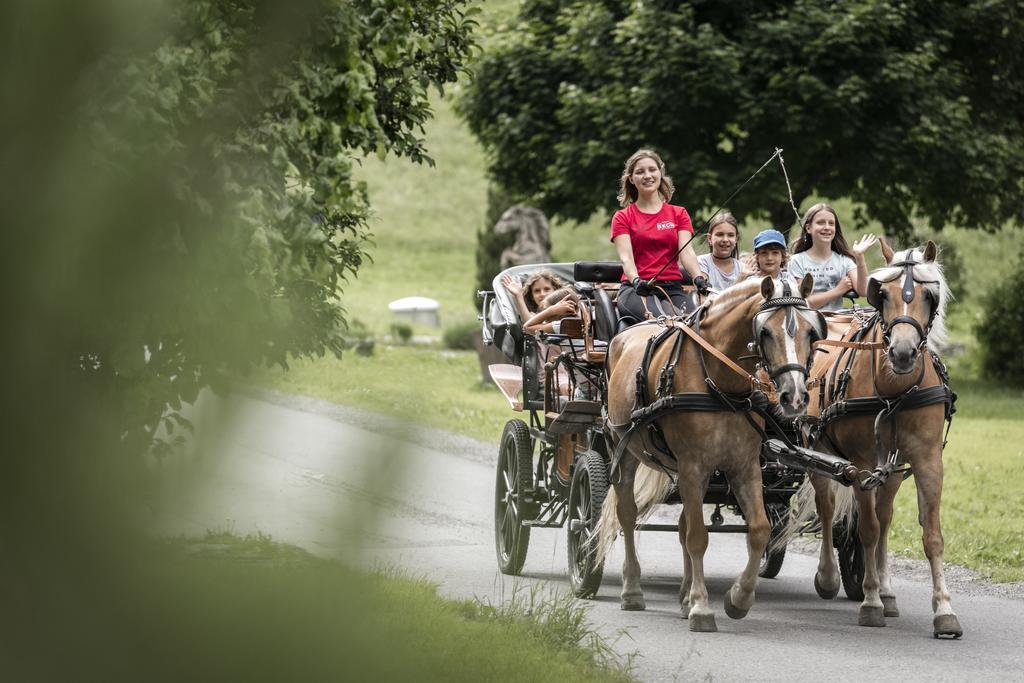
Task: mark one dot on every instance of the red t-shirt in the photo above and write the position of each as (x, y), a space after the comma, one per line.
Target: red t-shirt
(655, 238)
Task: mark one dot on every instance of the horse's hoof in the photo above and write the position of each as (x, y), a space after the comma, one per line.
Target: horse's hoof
(633, 603)
(871, 615)
(946, 625)
(703, 623)
(823, 592)
(889, 606)
(732, 610)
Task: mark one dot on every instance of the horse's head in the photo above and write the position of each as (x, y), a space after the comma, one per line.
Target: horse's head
(910, 295)
(785, 329)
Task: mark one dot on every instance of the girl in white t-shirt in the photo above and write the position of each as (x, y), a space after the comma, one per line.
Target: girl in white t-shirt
(721, 267)
(822, 251)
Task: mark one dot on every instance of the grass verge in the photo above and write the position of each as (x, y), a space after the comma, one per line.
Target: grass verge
(227, 608)
(425, 385)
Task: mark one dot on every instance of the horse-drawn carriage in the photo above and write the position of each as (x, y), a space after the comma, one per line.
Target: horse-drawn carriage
(593, 399)
(558, 382)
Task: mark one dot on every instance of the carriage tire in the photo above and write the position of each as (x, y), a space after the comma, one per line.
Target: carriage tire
(851, 560)
(512, 489)
(587, 491)
(771, 562)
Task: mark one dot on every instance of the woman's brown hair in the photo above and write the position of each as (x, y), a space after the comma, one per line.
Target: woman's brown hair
(628, 192)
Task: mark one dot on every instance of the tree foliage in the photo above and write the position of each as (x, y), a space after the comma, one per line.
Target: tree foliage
(1001, 329)
(183, 188)
(908, 107)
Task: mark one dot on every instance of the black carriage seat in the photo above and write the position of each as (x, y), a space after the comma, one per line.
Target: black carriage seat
(606, 316)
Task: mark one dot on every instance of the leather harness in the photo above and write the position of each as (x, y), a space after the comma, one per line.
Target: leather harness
(837, 406)
(760, 399)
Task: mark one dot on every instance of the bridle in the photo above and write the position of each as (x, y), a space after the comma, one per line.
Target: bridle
(908, 292)
(791, 304)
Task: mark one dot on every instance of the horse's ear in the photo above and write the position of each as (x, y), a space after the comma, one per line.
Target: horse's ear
(930, 251)
(875, 293)
(806, 285)
(767, 288)
(887, 252)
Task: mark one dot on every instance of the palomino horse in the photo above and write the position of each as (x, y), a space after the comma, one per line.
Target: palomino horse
(882, 402)
(701, 421)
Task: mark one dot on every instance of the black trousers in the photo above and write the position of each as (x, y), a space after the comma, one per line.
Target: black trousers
(632, 304)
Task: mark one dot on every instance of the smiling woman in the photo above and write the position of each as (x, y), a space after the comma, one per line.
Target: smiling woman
(648, 234)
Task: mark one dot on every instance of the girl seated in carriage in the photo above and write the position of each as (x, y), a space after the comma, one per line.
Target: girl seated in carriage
(529, 295)
(560, 304)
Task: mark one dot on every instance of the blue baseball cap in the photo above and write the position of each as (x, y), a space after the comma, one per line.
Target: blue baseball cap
(766, 237)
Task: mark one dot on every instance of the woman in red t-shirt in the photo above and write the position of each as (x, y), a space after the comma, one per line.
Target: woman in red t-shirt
(647, 233)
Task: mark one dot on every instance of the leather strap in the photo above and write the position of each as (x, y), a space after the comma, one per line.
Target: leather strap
(725, 360)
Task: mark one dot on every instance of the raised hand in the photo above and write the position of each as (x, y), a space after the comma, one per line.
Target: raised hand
(864, 243)
(566, 307)
(513, 285)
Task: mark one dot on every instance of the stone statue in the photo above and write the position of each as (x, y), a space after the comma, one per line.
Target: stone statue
(533, 236)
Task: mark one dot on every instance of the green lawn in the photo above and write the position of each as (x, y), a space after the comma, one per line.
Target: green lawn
(229, 609)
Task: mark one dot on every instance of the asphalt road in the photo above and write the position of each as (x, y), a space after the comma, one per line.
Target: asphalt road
(351, 485)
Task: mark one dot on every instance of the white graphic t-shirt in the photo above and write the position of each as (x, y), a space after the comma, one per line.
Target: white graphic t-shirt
(717, 278)
(827, 274)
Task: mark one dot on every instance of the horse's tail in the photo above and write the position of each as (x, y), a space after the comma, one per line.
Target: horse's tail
(803, 512)
(650, 487)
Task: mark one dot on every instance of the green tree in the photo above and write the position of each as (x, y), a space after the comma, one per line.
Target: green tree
(185, 172)
(910, 108)
(179, 205)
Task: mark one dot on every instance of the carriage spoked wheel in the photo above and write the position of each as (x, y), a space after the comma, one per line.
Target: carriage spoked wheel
(513, 484)
(851, 558)
(587, 491)
(771, 561)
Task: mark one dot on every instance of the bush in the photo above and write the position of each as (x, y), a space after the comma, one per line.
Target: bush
(401, 331)
(359, 338)
(1001, 329)
(460, 337)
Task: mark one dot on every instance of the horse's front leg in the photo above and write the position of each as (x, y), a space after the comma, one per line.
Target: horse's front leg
(748, 487)
(695, 544)
(826, 579)
(871, 611)
(929, 499)
(883, 509)
(632, 597)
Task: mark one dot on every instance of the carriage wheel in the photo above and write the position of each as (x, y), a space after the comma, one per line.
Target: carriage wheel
(851, 559)
(514, 480)
(587, 491)
(771, 562)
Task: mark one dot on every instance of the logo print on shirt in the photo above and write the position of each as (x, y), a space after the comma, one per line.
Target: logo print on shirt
(666, 225)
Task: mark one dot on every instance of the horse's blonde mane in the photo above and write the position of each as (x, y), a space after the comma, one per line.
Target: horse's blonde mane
(925, 272)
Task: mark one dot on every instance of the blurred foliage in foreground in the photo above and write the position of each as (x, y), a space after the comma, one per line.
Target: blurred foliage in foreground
(178, 196)
(249, 609)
